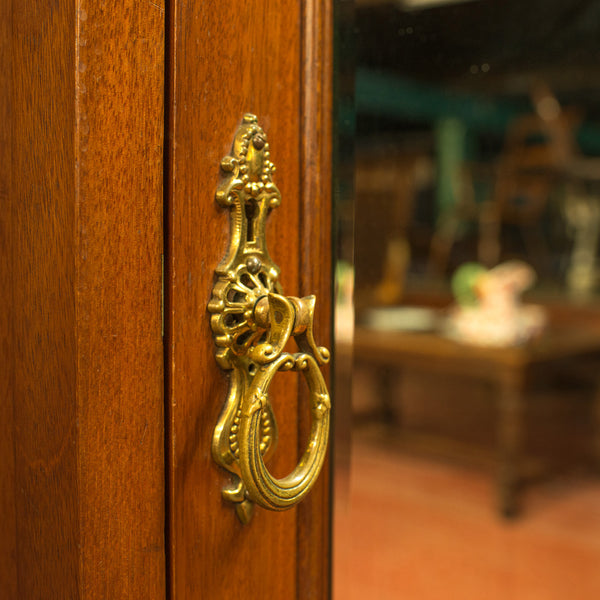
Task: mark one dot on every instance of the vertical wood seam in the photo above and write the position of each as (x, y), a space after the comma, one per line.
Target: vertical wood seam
(12, 334)
(168, 173)
(315, 152)
(77, 283)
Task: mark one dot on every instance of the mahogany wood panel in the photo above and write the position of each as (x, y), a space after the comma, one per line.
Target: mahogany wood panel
(226, 60)
(82, 378)
(8, 539)
(120, 389)
(39, 218)
(314, 513)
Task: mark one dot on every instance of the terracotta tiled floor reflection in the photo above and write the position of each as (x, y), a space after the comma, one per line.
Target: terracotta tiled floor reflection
(418, 529)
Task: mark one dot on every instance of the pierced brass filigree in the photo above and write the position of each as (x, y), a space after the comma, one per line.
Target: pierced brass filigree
(252, 322)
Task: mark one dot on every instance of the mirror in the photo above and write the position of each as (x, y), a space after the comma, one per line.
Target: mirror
(475, 284)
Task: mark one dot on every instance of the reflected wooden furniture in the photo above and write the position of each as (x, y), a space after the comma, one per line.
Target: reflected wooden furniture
(506, 370)
(535, 163)
(386, 184)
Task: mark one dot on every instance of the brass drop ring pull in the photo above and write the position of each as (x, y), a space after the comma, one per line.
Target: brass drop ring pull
(262, 488)
(252, 323)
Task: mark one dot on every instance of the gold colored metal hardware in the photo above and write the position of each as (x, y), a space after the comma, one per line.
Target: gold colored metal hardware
(252, 322)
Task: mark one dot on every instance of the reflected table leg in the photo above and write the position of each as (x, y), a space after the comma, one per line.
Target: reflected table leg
(387, 377)
(510, 439)
(596, 430)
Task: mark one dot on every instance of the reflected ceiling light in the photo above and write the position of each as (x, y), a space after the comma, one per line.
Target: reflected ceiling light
(422, 4)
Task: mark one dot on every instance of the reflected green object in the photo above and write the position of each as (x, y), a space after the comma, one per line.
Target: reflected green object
(385, 94)
(463, 283)
(450, 135)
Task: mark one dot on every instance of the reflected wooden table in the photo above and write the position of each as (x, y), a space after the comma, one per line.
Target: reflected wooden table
(505, 369)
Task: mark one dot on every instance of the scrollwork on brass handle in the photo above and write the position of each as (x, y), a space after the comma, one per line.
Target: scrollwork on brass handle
(252, 322)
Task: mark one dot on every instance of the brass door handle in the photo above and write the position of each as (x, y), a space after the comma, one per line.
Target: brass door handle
(252, 322)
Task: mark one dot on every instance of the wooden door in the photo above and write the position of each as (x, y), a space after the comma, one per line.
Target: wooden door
(81, 356)
(271, 59)
(107, 485)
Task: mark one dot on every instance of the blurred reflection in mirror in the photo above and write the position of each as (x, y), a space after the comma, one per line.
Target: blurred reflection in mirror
(343, 252)
(476, 369)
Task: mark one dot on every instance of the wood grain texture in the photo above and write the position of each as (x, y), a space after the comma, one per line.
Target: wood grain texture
(44, 345)
(119, 87)
(243, 57)
(314, 514)
(82, 367)
(8, 539)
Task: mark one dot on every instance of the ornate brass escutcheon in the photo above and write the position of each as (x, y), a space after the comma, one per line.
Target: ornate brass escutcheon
(252, 322)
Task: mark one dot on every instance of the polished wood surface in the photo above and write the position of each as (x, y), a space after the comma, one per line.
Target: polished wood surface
(316, 276)
(82, 464)
(81, 450)
(39, 220)
(120, 393)
(8, 540)
(227, 60)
